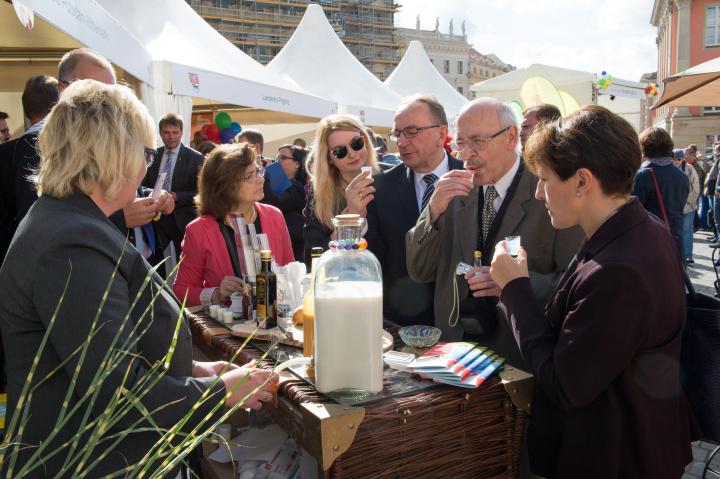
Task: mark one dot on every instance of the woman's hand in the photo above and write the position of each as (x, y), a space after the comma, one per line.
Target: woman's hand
(206, 369)
(258, 384)
(359, 194)
(228, 286)
(504, 268)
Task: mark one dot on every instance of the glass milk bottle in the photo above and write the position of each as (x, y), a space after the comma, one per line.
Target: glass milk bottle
(348, 314)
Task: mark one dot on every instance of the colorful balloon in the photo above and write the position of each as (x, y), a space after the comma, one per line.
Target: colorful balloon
(235, 126)
(212, 132)
(223, 120)
(227, 135)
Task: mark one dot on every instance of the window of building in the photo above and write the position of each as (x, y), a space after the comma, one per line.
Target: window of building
(460, 90)
(446, 66)
(712, 26)
(711, 110)
(460, 67)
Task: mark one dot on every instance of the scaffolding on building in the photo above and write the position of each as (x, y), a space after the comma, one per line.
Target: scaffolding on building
(262, 27)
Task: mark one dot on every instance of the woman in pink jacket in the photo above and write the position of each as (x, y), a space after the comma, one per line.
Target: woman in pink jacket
(230, 182)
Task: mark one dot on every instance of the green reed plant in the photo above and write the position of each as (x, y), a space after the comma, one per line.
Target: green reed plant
(98, 435)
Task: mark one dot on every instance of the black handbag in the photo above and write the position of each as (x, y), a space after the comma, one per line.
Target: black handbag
(700, 360)
(700, 357)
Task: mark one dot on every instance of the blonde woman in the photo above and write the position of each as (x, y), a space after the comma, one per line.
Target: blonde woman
(67, 255)
(340, 149)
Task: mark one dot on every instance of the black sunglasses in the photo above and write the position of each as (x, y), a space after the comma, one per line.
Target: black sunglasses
(340, 152)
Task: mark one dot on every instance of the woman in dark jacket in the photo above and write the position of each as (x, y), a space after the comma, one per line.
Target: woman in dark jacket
(292, 201)
(605, 353)
(72, 281)
(657, 152)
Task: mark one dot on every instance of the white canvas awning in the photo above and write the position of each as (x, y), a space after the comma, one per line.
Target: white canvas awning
(416, 74)
(317, 60)
(167, 45)
(696, 86)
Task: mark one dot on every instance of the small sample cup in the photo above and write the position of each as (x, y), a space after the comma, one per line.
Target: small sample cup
(513, 245)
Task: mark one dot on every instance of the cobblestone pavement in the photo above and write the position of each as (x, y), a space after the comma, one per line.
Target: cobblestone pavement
(702, 276)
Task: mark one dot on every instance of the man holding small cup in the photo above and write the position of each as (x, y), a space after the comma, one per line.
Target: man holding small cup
(473, 209)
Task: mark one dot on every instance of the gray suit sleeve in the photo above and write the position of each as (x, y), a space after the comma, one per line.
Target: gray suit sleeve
(564, 249)
(90, 270)
(423, 244)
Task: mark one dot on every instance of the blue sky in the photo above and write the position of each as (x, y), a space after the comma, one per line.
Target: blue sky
(611, 35)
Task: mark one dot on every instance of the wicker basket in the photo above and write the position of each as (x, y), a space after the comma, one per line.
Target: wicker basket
(441, 432)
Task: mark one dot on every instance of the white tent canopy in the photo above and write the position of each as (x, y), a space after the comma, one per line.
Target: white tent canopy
(317, 60)
(167, 45)
(567, 89)
(199, 61)
(416, 74)
(92, 25)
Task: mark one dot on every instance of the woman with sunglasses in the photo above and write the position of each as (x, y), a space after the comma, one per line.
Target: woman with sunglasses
(230, 182)
(341, 148)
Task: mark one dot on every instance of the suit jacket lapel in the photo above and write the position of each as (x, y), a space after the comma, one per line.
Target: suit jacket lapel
(406, 183)
(466, 226)
(154, 170)
(178, 173)
(515, 211)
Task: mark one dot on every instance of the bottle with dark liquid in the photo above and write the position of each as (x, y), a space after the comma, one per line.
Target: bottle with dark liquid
(266, 293)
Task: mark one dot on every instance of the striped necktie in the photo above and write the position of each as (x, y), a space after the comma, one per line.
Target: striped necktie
(168, 170)
(488, 213)
(429, 180)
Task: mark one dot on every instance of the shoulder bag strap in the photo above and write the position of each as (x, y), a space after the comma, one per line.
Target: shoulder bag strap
(659, 196)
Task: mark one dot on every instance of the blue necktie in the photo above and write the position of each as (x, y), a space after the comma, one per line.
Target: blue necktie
(429, 180)
(149, 236)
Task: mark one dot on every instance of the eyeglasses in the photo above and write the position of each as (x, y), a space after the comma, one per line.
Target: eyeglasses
(340, 152)
(477, 143)
(258, 173)
(283, 157)
(150, 155)
(409, 132)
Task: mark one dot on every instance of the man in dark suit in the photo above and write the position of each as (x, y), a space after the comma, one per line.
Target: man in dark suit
(401, 193)
(473, 210)
(180, 166)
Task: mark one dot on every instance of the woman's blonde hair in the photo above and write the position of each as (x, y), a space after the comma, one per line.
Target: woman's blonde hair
(94, 137)
(328, 184)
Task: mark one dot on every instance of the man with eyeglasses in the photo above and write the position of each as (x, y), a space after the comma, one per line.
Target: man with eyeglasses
(401, 193)
(178, 166)
(472, 210)
(135, 220)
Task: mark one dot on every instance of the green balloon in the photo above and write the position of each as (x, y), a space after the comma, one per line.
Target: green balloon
(223, 120)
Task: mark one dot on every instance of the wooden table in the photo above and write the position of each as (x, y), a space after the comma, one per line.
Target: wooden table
(444, 431)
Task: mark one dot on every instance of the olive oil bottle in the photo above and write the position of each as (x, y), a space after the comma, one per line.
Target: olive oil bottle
(266, 291)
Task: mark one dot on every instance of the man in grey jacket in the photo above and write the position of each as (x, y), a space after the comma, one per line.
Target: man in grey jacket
(472, 210)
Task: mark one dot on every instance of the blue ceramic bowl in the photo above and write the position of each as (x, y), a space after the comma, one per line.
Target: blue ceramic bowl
(419, 336)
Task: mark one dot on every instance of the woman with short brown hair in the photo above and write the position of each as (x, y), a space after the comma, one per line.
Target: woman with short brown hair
(230, 183)
(605, 352)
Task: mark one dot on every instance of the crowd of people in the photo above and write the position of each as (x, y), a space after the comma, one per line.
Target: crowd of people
(593, 304)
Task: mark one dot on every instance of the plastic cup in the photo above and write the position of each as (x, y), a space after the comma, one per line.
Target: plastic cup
(228, 316)
(513, 245)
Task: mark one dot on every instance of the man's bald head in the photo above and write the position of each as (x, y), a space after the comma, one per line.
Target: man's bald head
(84, 64)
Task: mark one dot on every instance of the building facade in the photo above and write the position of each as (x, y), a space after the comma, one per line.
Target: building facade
(483, 67)
(688, 33)
(449, 52)
(261, 28)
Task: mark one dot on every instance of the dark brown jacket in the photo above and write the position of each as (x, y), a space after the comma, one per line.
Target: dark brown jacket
(605, 355)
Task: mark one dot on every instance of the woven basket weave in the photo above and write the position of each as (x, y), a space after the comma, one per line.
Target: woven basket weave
(441, 432)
